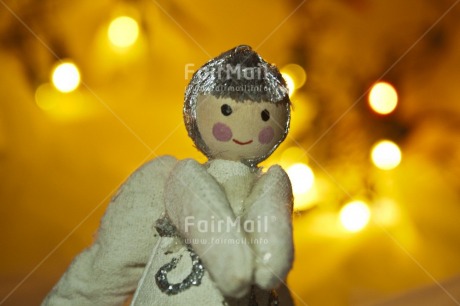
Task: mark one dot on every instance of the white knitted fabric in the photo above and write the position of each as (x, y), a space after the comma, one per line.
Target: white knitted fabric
(129, 251)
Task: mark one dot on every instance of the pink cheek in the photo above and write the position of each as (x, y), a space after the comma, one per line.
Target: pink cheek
(266, 135)
(222, 132)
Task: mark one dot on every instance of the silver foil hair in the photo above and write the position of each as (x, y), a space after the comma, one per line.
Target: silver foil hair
(242, 75)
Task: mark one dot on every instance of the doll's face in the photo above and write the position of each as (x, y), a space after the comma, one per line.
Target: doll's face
(239, 130)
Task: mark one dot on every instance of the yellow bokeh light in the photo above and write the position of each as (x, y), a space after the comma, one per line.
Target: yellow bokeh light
(386, 155)
(65, 77)
(296, 73)
(383, 98)
(64, 106)
(386, 212)
(302, 178)
(123, 31)
(302, 181)
(293, 155)
(43, 97)
(289, 82)
(354, 216)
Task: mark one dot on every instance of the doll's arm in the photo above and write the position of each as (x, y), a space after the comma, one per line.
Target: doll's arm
(196, 205)
(270, 208)
(107, 272)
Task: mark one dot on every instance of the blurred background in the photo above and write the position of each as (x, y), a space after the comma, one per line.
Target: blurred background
(90, 90)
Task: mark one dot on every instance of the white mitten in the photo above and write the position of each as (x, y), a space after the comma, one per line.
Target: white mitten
(196, 205)
(270, 207)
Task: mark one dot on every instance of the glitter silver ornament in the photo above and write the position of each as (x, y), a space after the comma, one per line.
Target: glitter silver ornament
(193, 279)
(165, 229)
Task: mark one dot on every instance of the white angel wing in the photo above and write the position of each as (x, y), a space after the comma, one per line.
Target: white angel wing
(108, 272)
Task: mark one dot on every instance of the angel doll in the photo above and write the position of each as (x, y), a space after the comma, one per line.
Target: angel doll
(183, 233)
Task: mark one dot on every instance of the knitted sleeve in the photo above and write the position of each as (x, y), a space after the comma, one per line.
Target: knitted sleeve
(198, 207)
(107, 272)
(269, 209)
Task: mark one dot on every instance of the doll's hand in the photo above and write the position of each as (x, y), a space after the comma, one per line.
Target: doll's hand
(196, 204)
(270, 205)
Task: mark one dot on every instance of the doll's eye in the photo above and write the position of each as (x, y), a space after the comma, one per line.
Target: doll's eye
(265, 115)
(226, 110)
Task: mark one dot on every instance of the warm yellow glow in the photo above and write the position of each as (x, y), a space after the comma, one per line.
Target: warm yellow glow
(307, 200)
(294, 159)
(386, 155)
(289, 82)
(43, 98)
(383, 98)
(296, 73)
(302, 178)
(293, 155)
(65, 106)
(386, 212)
(123, 31)
(355, 215)
(65, 77)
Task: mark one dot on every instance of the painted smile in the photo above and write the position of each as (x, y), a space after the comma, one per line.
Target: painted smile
(242, 143)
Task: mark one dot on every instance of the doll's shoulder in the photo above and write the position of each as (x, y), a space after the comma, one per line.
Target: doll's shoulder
(275, 171)
(188, 165)
(139, 200)
(156, 172)
(151, 175)
(161, 164)
(275, 175)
